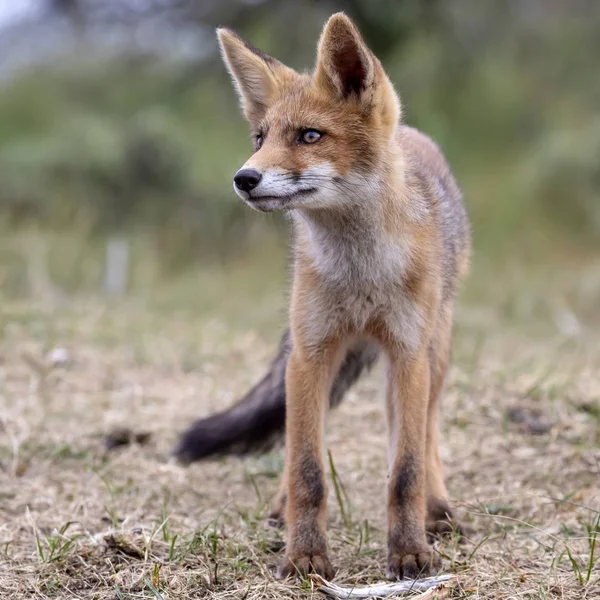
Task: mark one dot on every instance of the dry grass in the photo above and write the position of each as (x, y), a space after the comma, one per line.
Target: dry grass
(521, 443)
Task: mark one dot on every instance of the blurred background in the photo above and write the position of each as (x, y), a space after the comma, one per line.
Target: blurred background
(138, 293)
(120, 133)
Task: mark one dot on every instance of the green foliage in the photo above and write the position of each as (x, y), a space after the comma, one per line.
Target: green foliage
(112, 147)
(141, 143)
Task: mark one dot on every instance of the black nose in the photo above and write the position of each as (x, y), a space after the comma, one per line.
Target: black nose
(247, 179)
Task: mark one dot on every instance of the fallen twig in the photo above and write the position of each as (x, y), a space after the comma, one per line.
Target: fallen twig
(433, 587)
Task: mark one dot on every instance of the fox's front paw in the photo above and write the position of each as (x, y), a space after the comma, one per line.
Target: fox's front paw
(410, 565)
(303, 565)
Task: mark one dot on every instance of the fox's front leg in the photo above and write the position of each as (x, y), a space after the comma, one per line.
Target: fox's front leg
(409, 555)
(308, 379)
(357, 358)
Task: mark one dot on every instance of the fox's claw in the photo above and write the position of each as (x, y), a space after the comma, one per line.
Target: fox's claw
(303, 565)
(412, 565)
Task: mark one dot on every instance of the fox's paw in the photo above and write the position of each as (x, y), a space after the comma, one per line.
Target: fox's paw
(411, 565)
(440, 521)
(276, 517)
(303, 565)
(443, 528)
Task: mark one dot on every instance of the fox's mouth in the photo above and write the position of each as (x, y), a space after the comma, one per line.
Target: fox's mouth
(268, 203)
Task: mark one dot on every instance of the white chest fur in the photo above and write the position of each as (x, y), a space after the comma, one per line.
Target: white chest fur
(362, 273)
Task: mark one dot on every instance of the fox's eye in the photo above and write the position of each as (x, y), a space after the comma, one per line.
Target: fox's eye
(310, 136)
(258, 141)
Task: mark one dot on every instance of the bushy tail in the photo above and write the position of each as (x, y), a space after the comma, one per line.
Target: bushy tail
(257, 421)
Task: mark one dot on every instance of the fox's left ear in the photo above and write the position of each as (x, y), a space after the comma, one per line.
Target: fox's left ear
(344, 63)
(348, 70)
(256, 75)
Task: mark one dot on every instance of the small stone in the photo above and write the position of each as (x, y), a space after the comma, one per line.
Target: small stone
(59, 357)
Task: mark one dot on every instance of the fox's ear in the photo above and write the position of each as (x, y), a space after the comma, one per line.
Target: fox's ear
(255, 75)
(345, 65)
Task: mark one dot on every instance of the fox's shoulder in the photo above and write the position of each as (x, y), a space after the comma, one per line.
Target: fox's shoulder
(432, 179)
(427, 168)
(425, 157)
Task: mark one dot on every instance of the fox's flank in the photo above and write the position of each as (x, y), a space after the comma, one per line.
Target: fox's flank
(381, 240)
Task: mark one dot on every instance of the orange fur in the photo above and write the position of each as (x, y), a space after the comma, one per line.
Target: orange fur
(381, 241)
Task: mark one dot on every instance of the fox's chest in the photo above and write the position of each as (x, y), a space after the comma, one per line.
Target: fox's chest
(361, 301)
(364, 274)
(359, 285)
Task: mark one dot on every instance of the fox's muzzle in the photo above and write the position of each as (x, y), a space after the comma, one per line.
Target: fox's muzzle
(274, 188)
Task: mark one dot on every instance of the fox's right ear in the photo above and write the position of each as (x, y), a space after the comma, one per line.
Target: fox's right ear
(255, 75)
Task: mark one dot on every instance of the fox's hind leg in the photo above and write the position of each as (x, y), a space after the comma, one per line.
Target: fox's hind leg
(439, 514)
(277, 514)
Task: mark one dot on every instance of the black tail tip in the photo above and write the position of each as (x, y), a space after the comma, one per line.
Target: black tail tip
(183, 453)
(201, 440)
(222, 434)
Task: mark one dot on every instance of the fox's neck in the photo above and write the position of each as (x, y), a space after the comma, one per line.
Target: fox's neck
(360, 239)
(357, 225)
(363, 212)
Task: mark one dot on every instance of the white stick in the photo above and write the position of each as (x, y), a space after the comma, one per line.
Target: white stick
(387, 589)
(117, 266)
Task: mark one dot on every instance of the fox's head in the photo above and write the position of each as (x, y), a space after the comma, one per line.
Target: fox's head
(317, 138)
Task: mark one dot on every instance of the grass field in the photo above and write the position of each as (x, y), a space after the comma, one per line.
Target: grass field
(521, 444)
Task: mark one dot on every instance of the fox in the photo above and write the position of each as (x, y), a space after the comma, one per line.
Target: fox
(381, 240)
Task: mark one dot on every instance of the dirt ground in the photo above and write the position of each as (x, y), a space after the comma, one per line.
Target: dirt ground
(521, 445)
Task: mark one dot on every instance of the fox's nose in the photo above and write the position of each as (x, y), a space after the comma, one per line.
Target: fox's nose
(247, 179)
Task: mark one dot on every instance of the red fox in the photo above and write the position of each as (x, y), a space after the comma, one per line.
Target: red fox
(381, 240)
